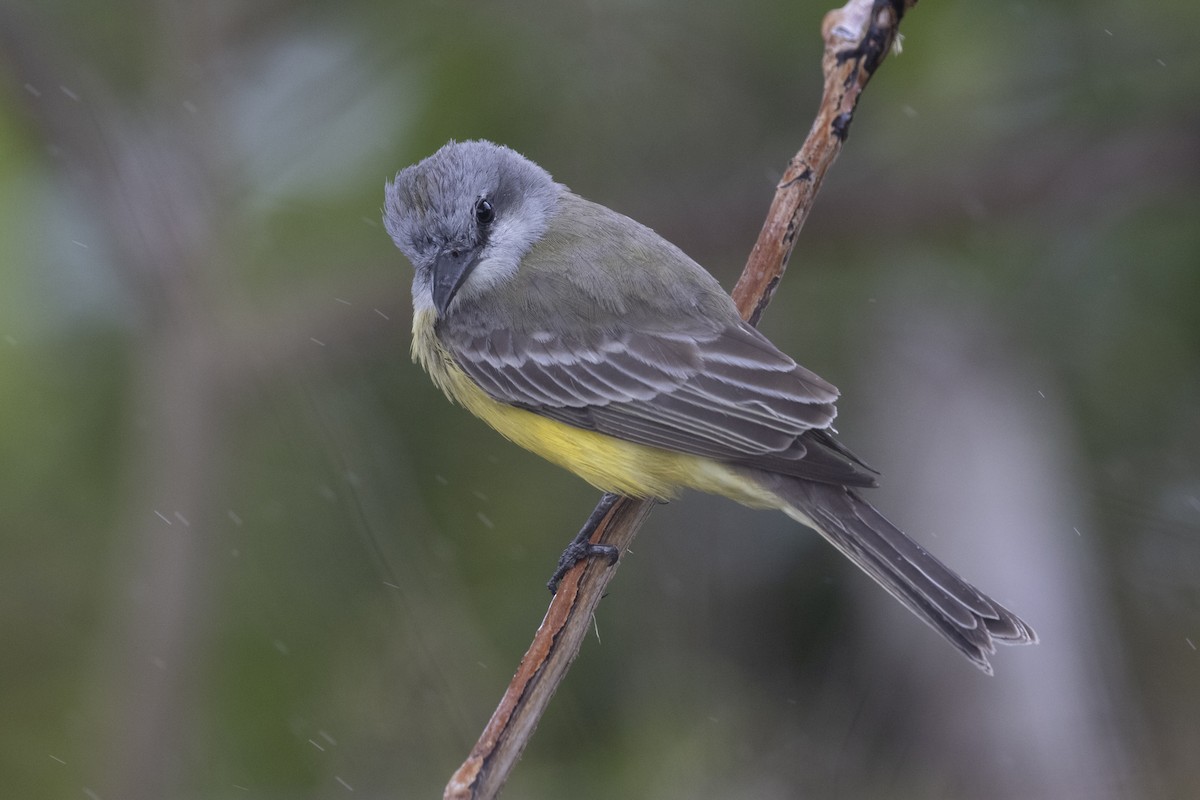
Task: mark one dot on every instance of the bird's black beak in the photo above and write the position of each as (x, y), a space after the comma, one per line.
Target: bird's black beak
(450, 269)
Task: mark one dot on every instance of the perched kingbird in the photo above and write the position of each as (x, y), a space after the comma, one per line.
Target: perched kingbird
(585, 337)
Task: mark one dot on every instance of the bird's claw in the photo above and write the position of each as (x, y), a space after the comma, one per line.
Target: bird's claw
(578, 551)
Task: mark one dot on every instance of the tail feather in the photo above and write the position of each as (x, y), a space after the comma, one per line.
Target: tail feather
(970, 620)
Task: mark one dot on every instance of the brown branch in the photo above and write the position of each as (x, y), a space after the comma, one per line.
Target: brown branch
(857, 38)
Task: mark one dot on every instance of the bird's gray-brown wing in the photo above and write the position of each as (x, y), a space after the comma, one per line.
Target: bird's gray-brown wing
(724, 392)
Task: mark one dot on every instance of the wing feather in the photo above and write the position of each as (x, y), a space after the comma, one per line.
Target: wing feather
(727, 394)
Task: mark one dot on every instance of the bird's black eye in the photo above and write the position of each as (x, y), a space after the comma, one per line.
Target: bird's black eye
(484, 213)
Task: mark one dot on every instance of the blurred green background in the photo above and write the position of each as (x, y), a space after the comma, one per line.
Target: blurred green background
(246, 550)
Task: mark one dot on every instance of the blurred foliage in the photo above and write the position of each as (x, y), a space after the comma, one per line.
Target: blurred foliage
(204, 182)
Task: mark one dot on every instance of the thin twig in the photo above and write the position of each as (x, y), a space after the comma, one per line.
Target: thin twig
(857, 38)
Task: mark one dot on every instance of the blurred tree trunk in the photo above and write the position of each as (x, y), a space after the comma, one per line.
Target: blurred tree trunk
(163, 591)
(979, 467)
(146, 178)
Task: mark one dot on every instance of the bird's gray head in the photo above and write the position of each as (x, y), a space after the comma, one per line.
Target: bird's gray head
(466, 216)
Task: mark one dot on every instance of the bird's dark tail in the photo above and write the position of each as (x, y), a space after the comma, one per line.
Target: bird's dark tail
(969, 619)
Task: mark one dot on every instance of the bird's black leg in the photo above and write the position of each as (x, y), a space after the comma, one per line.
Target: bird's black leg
(581, 548)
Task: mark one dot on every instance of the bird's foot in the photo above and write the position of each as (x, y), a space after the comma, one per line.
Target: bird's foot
(581, 547)
(576, 552)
